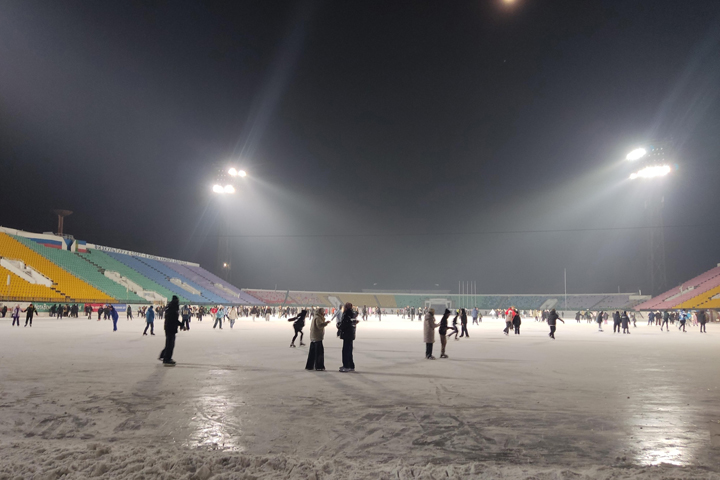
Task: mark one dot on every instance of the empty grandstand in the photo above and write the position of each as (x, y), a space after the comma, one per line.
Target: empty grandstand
(702, 291)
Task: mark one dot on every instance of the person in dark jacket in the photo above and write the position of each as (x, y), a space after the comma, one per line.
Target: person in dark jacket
(442, 331)
(463, 323)
(114, 316)
(552, 319)
(625, 321)
(516, 321)
(702, 320)
(31, 311)
(347, 333)
(453, 328)
(616, 322)
(599, 320)
(149, 321)
(298, 325)
(171, 328)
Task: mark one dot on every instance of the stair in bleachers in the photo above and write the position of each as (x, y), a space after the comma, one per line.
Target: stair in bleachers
(168, 273)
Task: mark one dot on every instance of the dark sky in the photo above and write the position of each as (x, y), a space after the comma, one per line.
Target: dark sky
(390, 144)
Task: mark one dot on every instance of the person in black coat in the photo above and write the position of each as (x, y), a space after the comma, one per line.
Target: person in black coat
(625, 321)
(552, 319)
(347, 333)
(702, 320)
(298, 325)
(171, 328)
(442, 331)
(616, 322)
(463, 323)
(31, 311)
(516, 323)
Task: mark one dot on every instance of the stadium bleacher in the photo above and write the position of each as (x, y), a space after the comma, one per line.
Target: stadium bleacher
(145, 270)
(67, 284)
(21, 290)
(169, 273)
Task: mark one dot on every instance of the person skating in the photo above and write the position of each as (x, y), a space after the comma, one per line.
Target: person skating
(31, 311)
(509, 315)
(219, 314)
(128, 313)
(683, 320)
(665, 319)
(171, 328)
(348, 324)
(516, 322)
(114, 315)
(233, 315)
(552, 319)
(298, 325)
(429, 327)
(616, 322)
(702, 320)
(442, 331)
(453, 328)
(185, 314)
(599, 320)
(475, 313)
(149, 321)
(625, 321)
(16, 315)
(316, 352)
(463, 323)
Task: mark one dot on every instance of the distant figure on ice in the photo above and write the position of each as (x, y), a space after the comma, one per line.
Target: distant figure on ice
(298, 325)
(552, 319)
(509, 315)
(683, 320)
(114, 315)
(316, 353)
(475, 313)
(429, 327)
(702, 320)
(616, 322)
(463, 323)
(599, 320)
(348, 325)
(665, 319)
(625, 320)
(516, 322)
(16, 315)
(219, 314)
(171, 328)
(442, 331)
(31, 311)
(128, 313)
(453, 329)
(149, 321)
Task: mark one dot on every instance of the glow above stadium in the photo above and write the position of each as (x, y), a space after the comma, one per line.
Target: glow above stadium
(636, 154)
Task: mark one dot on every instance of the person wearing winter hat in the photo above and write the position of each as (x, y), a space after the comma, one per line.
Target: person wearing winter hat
(429, 327)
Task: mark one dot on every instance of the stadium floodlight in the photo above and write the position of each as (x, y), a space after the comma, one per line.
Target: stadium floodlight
(229, 189)
(218, 189)
(651, 172)
(636, 154)
(233, 172)
(242, 173)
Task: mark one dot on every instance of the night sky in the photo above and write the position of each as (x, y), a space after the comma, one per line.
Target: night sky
(389, 145)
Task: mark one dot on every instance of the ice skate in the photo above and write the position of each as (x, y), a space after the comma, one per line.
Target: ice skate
(444, 356)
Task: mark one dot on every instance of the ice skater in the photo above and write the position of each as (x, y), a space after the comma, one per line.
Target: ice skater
(316, 352)
(665, 319)
(509, 315)
(31, 311)
(475, 313)
(128, 313)
(616, 322)
(16, 315)
(171, 328)
(599, 320)
(625, 320)
(453, 329)
(463, 323)
(442, 331)
(114, 315)
(149, 321)
(683, 320)
(552, 319)
(298, 325)
(219, 314)
(348, 324)
(429, 327)
(516, 322)
(702, 320)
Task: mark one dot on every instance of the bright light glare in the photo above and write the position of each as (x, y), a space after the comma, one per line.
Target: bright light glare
(242, 173)
(636, 154)
(233, 172)
(229, 189)
(651, 172)
(218, 189)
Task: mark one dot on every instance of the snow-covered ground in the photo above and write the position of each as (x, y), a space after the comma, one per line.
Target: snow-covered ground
(79, 401)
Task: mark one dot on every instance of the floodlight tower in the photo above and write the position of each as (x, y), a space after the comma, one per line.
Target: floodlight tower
(655, 165)
(61, 217)
(225, 184)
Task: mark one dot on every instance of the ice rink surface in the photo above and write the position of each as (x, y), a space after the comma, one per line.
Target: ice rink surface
(79, 401)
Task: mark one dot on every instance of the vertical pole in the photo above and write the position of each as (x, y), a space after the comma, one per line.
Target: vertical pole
(565, 275)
